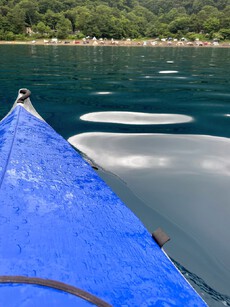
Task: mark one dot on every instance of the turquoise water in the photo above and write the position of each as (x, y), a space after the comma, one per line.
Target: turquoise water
(156, 122)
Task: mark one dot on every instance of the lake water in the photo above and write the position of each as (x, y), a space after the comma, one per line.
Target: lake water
(156, 122)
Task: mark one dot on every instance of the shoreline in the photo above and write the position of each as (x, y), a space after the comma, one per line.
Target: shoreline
(117, 43)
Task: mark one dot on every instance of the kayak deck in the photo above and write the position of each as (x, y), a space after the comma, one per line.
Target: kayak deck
(62, 222)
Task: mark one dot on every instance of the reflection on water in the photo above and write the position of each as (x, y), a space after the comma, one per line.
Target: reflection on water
(103, 93)
(168, 72)
(135, 118)
(172, 177)
(186, 185)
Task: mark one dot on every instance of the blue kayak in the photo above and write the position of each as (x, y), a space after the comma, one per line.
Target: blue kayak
(66, 238)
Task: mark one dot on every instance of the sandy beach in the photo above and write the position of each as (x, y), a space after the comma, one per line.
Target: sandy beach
(128, 43)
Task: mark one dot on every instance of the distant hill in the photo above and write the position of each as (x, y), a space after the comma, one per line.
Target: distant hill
(204, 19)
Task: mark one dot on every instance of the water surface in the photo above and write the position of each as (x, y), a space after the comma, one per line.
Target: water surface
(156, 122)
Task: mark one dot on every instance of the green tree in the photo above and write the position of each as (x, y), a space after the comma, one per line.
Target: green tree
(42, 29)
(138, 24)
(4, 23)
(144, 13)
(158, 29)
(181, 24)
(172, 15)
(204, 15)
(30, 9)
(211, 25)
(101, 17)
(51, 19)
(54, 6)
(117, 19)
(198, 5)
(4, 10)
(63, 27)
(72, 16)
(9, 36)
(16, 21)
(225, 33)
(225, 17)
(207, 12)
(83, 18)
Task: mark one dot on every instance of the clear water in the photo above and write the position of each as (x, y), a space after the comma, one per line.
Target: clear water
(170, 161)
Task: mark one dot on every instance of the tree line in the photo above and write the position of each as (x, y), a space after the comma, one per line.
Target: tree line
(118, 19)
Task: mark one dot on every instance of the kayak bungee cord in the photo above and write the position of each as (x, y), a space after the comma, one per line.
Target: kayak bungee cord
(49, 283)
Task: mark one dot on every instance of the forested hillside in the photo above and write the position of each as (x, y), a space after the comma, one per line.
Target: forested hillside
(116, 19)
